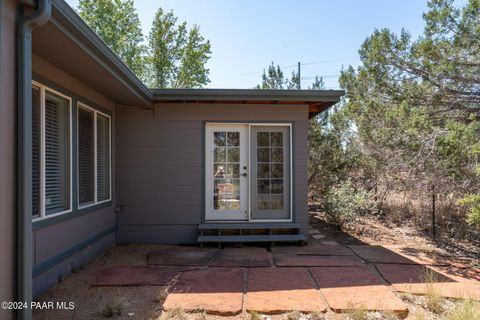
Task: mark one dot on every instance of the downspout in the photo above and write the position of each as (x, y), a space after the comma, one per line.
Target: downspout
(24, 149)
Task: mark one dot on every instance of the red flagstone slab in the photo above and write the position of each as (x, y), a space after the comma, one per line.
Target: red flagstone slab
(242, 257)
(137, 276)
(213, 290)
(279, 290)
(379, 254)
(418, 256)
(314, 249)
(181, 256)
(288, 260)
(412, 279)
(356, 288)
(401, 273)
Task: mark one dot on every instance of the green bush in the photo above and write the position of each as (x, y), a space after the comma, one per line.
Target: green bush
(472, 202)
(343, 203)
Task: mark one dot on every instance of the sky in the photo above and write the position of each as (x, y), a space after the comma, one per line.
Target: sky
(247, 35)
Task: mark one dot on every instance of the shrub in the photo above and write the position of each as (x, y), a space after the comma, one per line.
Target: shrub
(472, 202)
(343, 202)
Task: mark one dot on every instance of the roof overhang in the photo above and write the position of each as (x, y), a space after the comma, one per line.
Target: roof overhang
(317, 100)
(69, 44)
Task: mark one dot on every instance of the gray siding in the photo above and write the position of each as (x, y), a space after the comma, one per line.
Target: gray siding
(159, 165)
(59, 247)
(7, 153)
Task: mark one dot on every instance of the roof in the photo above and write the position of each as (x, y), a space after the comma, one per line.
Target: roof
(67, 42)
(317, 100)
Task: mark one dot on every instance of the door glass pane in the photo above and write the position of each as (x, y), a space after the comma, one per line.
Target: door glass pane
(219, 139)
(233, 154)
(233, 170)
(218, 170)
(233, 202)
(277, 186)
(270, 182)
(263, 155)
(263, 171)
(277, 170)
(277, 154)
(219, 154)
(263, 139)
(263, 186)
(263, 202)
(219, 202)
(219, 186)
(226, 171)
(277, 139)
(277, 202)
(233, 139)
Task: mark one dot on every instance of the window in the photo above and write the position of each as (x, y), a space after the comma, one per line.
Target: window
(94, 174)
(51, 153)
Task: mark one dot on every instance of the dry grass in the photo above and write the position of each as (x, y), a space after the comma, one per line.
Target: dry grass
(389, 315)
(201, 316)
(112, 308)
(173, 314)
(316, 316)
(162, 294)
(294, 315)
(433, 299)
(464, 310)
(357, 314)
(255, 316)
(419, 316)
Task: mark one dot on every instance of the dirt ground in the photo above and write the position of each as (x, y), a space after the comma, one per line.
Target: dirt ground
(375, 231)
(145, 302)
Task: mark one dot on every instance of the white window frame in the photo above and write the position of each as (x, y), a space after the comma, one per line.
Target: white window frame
(95, 112)
(43, 215)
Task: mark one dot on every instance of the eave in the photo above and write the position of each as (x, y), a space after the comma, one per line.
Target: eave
(67, 42)
(317, 100)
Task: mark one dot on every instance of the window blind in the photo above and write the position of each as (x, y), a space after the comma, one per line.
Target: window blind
(86, 156)
(57, 154)
(103, 158)
(36, 152)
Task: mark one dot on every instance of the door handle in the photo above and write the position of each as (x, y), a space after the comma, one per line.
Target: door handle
(244, 174)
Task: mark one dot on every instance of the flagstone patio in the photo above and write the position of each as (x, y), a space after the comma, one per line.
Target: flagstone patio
(313, 278)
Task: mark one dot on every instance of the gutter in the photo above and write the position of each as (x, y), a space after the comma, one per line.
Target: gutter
(24, 263)
(246, 94)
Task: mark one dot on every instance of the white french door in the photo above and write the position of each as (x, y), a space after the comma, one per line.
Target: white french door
(247, 172)
(226, 172)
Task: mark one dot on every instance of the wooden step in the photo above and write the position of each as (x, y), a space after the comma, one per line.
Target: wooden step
(250, 226)
(253, 238)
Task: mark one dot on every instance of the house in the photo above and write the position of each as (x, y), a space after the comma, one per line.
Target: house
(89, 156)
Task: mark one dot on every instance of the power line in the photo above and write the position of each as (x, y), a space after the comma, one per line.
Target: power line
(302, 64)
(327, 76)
